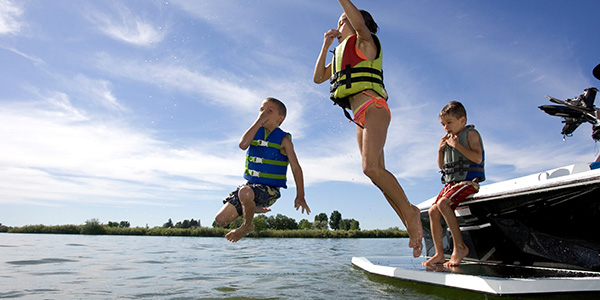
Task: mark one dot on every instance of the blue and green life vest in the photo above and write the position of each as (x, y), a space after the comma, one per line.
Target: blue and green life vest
(459, 168)
(264, 162)
(352, 74)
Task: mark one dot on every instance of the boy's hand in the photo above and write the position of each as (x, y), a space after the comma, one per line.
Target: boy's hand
(300, 202)
(452, 140)
(261, 210)
(443, 143)
(263, 117)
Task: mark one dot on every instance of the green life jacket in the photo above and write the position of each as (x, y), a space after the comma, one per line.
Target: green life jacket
(352, 74)
(459, 168)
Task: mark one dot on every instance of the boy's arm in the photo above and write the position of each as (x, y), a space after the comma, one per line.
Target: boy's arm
(248, 136)
(474, 153)
(288, 149)
(443, 145)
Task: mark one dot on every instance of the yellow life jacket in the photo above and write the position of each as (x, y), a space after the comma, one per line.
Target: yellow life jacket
(352, 74)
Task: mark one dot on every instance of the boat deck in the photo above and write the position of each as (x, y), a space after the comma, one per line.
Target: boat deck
(486, 278)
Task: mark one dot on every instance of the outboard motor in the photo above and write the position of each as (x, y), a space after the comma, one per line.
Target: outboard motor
(576, 111)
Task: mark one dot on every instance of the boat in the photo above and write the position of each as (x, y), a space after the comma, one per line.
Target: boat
(543, 219)
(546, 219)
(485, 278)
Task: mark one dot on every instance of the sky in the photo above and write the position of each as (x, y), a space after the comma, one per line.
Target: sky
(132, 110)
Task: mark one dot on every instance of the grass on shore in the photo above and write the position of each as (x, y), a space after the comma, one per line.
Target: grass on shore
(204, 231)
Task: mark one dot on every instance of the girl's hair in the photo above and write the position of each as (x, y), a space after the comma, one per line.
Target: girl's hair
(369, 21)
(455, 109)
(280, 105)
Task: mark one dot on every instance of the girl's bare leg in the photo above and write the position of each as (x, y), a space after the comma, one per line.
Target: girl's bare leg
(371, 140)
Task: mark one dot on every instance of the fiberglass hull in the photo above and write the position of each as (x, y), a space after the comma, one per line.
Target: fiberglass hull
(548, 219)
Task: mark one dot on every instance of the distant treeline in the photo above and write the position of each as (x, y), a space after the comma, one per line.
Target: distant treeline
(278, 226)
(210, 232)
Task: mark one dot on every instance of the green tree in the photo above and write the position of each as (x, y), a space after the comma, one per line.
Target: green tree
(320, 221)
(281, 222)
(305, 224)
(354, 225)
(169, 224)
(260, 223)
(112, 224)
(185, 224)
(349, 224)
(319, 225)
(92, 226)
(334, 220)
(236, 223)
(344, 224)
(124, 224)
(194, 223)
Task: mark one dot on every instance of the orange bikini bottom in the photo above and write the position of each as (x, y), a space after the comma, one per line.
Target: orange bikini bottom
(360, 114)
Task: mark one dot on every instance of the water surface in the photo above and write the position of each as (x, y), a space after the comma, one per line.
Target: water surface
(39, 266)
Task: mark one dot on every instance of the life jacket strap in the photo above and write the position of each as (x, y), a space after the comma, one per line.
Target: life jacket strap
(262, 143)
(260, 160)
(348, 71)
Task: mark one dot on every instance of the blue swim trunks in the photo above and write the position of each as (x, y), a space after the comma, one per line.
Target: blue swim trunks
(264, 196)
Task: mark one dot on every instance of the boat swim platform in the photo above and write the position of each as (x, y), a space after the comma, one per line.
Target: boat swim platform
(485, 278)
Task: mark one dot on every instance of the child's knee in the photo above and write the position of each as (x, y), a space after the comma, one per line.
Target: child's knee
(434, 211)
(245, 194)
(221, 220)
(444, 204)
(373, 171)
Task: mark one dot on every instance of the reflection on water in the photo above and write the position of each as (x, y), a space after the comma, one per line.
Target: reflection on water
(133, 267)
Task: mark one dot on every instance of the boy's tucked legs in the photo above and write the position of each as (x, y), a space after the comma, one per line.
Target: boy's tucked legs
(247, 200)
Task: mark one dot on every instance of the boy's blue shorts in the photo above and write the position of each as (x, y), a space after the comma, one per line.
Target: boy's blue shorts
(264, 196)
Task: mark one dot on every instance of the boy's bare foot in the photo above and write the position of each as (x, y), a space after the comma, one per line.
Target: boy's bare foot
(434, 260)
(457, 256)
(237, 234)
(415, 233)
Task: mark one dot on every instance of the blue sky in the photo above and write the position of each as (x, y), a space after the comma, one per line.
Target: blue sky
(132, 110)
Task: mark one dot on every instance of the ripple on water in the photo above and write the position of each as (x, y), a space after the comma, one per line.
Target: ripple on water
(40, 261)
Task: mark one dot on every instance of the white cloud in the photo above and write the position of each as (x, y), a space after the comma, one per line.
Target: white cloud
(35, 60)
(53, 151)
(217, 90)
(98, 91)
(124, 25)
(10, 14)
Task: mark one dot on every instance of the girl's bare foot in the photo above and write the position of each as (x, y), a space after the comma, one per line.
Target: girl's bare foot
(457, 256)
(237, 234)
(434, 260)
(415, 233)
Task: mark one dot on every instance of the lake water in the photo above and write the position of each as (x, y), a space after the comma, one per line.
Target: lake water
(39, 266)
